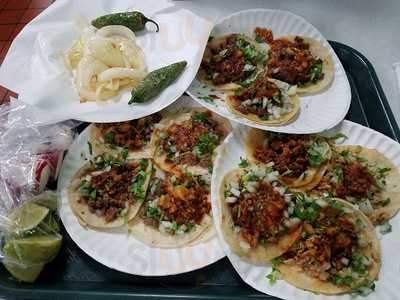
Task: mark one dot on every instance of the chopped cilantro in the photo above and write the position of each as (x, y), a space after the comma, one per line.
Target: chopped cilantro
(337, 205)
(124, 153)
(316, 153)
(338, 172)
(316, 72)
(305, 209)
(275, 273)
(93, 194)
(249, 51)
(154, 213)
(137, 186)
(259, 39)
(385, 228)
(90, 148)
(357, 264)
(109, 137)
(386, 201)
(244, 163)
(207, 99)
(210, 38)
(207, 142)
(210, 169)
(200, 117)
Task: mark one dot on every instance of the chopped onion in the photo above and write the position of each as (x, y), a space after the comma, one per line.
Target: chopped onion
(244, 245)
(321, 203)
(345, 260)
(235, 192)
(366, 207)
(231, 199)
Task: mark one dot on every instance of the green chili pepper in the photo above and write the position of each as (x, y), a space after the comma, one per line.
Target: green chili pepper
(156, 81)
(134, 20)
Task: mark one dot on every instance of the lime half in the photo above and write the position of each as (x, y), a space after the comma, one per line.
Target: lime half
(22, 271)
(33, 250)
(28, 216)
(27, 274)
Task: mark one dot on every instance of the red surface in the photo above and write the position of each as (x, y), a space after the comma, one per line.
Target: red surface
(14, 14)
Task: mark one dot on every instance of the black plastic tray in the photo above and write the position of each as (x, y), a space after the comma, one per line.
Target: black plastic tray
(74, 275)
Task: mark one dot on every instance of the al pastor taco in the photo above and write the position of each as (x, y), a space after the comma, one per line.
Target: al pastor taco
(108, 191)
(254, 213)
(187, 141)
(176, 211)
(298, 60)
(337, 252)
(364, 177)
(135, 136)
(265, 101)
(300, 159)
(231, 60)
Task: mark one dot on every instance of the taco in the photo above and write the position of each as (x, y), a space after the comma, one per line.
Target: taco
(265, 101)
(364, 177)
(300, 159)
(187, 141)
(300, 61)
(108, 191)
(254, 213)
(177, 211)
(134, 136)
(337, 252)
(230, 61)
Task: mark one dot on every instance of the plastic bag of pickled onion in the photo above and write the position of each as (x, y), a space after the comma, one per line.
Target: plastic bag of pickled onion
(31, 152)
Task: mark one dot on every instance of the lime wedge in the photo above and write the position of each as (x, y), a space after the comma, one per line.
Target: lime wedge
(27, 274)
(23, 271)
(47, 199)
(28, 216)
(35, 249)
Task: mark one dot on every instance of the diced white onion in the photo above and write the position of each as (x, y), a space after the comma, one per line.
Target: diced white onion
(366, 207)
(231, 199)
(235, 192)
(322, 203)
(245, 246)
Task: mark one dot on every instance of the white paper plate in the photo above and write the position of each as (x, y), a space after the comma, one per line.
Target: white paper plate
(318, 112)
(118, 250)
(389, 280)
(35, 69)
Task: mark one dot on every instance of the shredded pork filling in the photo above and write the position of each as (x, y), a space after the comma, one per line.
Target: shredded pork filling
(107, 193)
(183, 203)
(352, 179)
(326, 246)
(259, 214)
(192, 142)
(292, 62)
(288, 152)
(255, 98)
(131, 134)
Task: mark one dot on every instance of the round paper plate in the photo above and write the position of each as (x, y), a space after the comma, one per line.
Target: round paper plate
(36, 58)
(318, 112)
(116, 248)
(255, 275)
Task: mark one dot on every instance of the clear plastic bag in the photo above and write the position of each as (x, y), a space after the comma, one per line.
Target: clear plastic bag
(30, 157)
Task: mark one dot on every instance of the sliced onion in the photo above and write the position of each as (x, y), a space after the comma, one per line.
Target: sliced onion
(114, 73)
(116, 30)
(105, 50)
